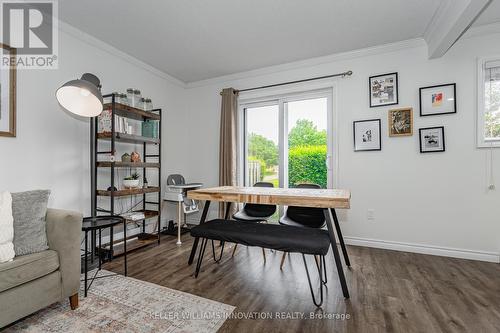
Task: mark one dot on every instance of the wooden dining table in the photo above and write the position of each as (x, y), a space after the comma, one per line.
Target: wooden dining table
(327, 199)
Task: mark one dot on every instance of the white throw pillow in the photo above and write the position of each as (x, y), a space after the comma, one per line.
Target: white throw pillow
(6, 227)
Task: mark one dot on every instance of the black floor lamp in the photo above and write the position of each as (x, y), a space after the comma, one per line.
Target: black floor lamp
(83, 97)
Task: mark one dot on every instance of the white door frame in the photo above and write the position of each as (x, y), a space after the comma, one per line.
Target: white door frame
(309, 91)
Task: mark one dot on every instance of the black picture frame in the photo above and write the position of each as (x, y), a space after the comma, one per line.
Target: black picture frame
(420, 131)
(379, 148)
(454, 85)
(396, 86)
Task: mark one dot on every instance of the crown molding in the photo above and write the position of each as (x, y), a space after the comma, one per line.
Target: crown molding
(93, 41)
(374, 50)
(482, 30)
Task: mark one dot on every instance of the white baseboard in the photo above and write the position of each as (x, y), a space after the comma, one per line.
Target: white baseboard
(424, 249)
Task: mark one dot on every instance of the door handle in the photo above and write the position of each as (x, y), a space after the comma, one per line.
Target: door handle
(327, 161)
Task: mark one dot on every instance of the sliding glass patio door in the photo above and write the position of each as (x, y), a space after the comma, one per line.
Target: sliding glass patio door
(289, 140)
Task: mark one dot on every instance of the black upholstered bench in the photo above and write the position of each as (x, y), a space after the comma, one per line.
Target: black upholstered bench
(309, 241)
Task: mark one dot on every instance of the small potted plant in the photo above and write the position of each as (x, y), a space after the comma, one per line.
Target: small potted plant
(131, 181)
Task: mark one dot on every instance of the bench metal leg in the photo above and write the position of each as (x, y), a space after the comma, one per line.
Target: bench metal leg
(336, 255)
(341, 238)
(310, 283)
(195, 243)
(221, 252)
(324, 279)
(200, 256)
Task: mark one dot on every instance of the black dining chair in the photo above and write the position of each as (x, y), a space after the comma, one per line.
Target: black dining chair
(255, 213)
(305, 217)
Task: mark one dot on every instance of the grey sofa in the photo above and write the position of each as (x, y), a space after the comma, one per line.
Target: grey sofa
(31, 282)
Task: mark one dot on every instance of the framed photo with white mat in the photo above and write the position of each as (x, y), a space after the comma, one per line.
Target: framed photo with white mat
(367, 135)
(7, 92)
(437, 100)
(432, 139)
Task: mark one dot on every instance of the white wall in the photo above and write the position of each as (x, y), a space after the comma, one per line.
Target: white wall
(431, 203)
(51, 149)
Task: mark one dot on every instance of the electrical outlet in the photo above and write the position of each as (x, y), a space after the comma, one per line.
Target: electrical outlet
(491, 187)
(370, 214)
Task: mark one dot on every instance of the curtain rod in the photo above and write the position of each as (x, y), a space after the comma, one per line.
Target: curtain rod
(344, 74)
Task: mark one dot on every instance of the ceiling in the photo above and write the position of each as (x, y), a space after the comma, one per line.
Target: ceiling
(490, 15)
(199, 39)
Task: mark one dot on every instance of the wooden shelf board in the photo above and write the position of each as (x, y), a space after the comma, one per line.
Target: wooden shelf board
(147, 213)
(106, 164)
(130, 112)
(127, 138)
(125, 192)
(134, 242)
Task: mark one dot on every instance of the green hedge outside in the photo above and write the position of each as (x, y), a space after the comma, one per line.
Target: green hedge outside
(306, 164)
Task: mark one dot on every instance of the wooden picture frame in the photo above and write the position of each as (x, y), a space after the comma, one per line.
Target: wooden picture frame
(8, 112)
(438, 100)
(432, 139)
(400, 122)
(383, 87)
(367, 133)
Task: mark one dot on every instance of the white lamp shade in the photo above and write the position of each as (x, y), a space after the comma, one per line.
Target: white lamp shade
(80, 97)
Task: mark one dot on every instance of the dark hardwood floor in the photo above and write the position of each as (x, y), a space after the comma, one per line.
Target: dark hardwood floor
(390, 291)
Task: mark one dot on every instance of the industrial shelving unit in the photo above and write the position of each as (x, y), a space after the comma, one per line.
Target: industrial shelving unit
(149, 161)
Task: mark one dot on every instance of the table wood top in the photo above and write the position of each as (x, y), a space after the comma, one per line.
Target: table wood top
(318, 198)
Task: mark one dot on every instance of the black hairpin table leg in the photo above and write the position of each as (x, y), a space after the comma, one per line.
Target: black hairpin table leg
(341, 238)
(336, 255)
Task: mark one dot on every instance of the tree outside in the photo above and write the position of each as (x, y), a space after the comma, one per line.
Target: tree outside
(492, 111)
(306, 155)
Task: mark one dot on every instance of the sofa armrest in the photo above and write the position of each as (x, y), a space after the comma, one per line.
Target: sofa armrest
(63, 235)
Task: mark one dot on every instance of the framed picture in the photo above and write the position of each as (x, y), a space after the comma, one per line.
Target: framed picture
(384, 90)
(432, 139)
(401, 122)
(8, 95)
(436, 100)
(367, 135)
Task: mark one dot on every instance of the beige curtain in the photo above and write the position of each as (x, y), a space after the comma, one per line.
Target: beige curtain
(228, 141)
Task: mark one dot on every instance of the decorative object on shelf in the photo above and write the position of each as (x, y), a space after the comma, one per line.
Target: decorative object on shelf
(437, 100)
(126, 158)
(136, 99)
(367, 135)
(8, 94)
(104, 122)
(135, 157)
(383, 90)
(130, 96)
(149, 105)
(432, 139)
(142, 104)
(131, 181)
(148, 129)
(145, 183)
(401, 122)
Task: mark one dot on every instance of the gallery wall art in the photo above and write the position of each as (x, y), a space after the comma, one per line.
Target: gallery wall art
(7, 95)
(383, 90)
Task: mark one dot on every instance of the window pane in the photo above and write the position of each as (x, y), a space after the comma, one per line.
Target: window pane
(307, 142)
(262, 134)
(492, 103)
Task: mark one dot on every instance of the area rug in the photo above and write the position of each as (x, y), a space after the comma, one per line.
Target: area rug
(123, 304)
